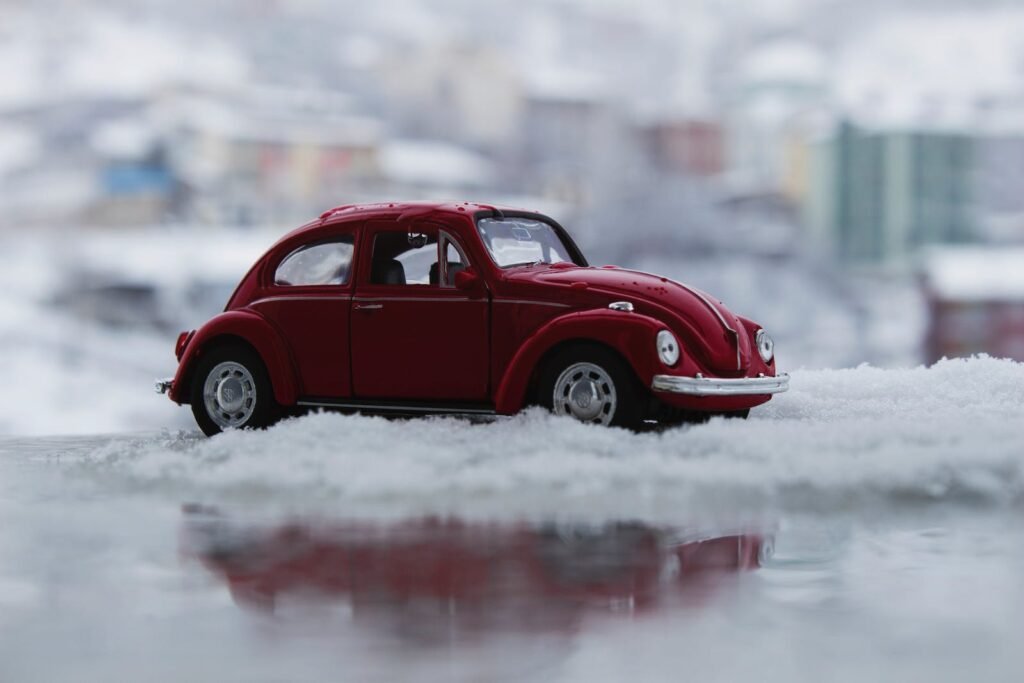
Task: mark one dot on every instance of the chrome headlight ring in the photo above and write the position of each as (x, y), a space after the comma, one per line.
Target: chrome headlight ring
(668, 348)
(765, 346)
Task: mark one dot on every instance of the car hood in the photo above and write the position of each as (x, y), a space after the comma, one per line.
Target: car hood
(712, 330)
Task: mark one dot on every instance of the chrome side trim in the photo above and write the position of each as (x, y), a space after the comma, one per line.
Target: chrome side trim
(397, 408)
(162, 386)
(621, 306)
(530, 301)
(326, 297)
(413, 298)
(710, 386)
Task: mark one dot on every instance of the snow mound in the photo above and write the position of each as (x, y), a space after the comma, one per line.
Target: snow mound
(840, 438)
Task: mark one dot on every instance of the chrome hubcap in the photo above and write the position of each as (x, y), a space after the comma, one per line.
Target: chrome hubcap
(229, 395)
(586, 392)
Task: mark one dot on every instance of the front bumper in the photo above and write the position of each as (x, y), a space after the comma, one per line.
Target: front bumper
(162, 386)
(713, 386)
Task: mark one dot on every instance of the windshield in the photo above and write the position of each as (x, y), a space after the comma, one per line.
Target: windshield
(522, 241)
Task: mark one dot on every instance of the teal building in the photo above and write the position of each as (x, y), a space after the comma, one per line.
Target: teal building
(875, 196)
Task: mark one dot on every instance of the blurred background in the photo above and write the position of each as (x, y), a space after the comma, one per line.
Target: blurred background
(848, 172)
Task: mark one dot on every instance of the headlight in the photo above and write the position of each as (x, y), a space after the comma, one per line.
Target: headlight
(668, 348)
(765, 346)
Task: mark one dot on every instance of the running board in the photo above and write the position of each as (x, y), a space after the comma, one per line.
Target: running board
(384, 406)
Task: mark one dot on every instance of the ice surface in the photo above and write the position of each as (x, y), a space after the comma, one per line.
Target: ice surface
(839, 439)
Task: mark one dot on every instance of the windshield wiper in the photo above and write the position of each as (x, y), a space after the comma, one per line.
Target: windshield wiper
(526, 263)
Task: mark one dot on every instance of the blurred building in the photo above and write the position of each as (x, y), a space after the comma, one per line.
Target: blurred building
(876, 195)
(574, 141)
(270, 155)
(684, 146)
(464, 92)
(774, 88)
(84, 160)
(976, 302)
(999, 182)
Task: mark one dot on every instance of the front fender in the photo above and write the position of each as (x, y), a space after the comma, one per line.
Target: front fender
(253, 329)
(630, 334)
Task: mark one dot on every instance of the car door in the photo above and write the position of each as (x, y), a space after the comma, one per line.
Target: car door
(308, 298)
(415, 337)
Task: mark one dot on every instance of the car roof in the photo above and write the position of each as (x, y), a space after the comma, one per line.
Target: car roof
(392, 210)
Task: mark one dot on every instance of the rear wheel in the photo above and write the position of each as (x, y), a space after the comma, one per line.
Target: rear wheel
(591, 384)
(231, 390)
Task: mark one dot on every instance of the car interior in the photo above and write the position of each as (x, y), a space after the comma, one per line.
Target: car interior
(402, 258)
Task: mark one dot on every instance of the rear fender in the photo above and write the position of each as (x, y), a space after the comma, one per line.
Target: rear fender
(253, 329)
(630, 334)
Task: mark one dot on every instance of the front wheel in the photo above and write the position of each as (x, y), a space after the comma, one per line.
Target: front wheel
(591, 384)
(231, 390)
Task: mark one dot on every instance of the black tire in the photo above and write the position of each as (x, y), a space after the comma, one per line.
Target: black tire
(628, 411)
(263, 410)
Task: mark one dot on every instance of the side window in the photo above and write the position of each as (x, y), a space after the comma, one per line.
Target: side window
(327, 263)
(404, 258)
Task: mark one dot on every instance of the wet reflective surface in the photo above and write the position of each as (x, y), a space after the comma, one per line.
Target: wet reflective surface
(438, 579)
(101, 581)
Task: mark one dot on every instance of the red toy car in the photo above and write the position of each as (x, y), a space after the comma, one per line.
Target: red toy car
(463, 308)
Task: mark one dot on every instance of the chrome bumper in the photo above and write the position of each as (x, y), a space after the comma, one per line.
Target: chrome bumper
(164, 385)
(713, 386)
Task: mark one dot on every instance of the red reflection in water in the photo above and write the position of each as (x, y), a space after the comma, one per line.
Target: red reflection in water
(479, 576)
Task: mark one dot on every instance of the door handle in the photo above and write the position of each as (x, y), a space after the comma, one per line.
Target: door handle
(369, 307)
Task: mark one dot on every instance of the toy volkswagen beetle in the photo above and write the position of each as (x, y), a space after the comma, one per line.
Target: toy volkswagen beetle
(463, 308)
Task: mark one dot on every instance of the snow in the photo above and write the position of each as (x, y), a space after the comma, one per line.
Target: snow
(890, 492)
(99, 53)
(566, 84)
(839, 438)
(296, 123)
(124, 139)
(930, 69)
(169, 256)
(19, 147)
(784, 62)
(975, 273)
(74, 376)
(433, 164)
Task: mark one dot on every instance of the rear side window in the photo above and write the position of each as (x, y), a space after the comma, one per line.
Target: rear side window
(326, 263)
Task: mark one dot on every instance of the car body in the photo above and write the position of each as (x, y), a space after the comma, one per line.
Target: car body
(463, 308)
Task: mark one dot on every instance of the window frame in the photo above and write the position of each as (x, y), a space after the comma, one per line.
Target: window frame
(445, 238)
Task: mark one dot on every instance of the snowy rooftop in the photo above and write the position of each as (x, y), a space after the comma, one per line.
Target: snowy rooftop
(237, 121)
(169, 257)
(565, 84)
(976, 273)
(785, 61)
(434, 164)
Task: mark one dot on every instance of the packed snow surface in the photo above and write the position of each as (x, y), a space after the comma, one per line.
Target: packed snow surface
(951, 432)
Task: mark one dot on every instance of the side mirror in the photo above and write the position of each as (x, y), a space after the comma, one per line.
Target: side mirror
(467, 280)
